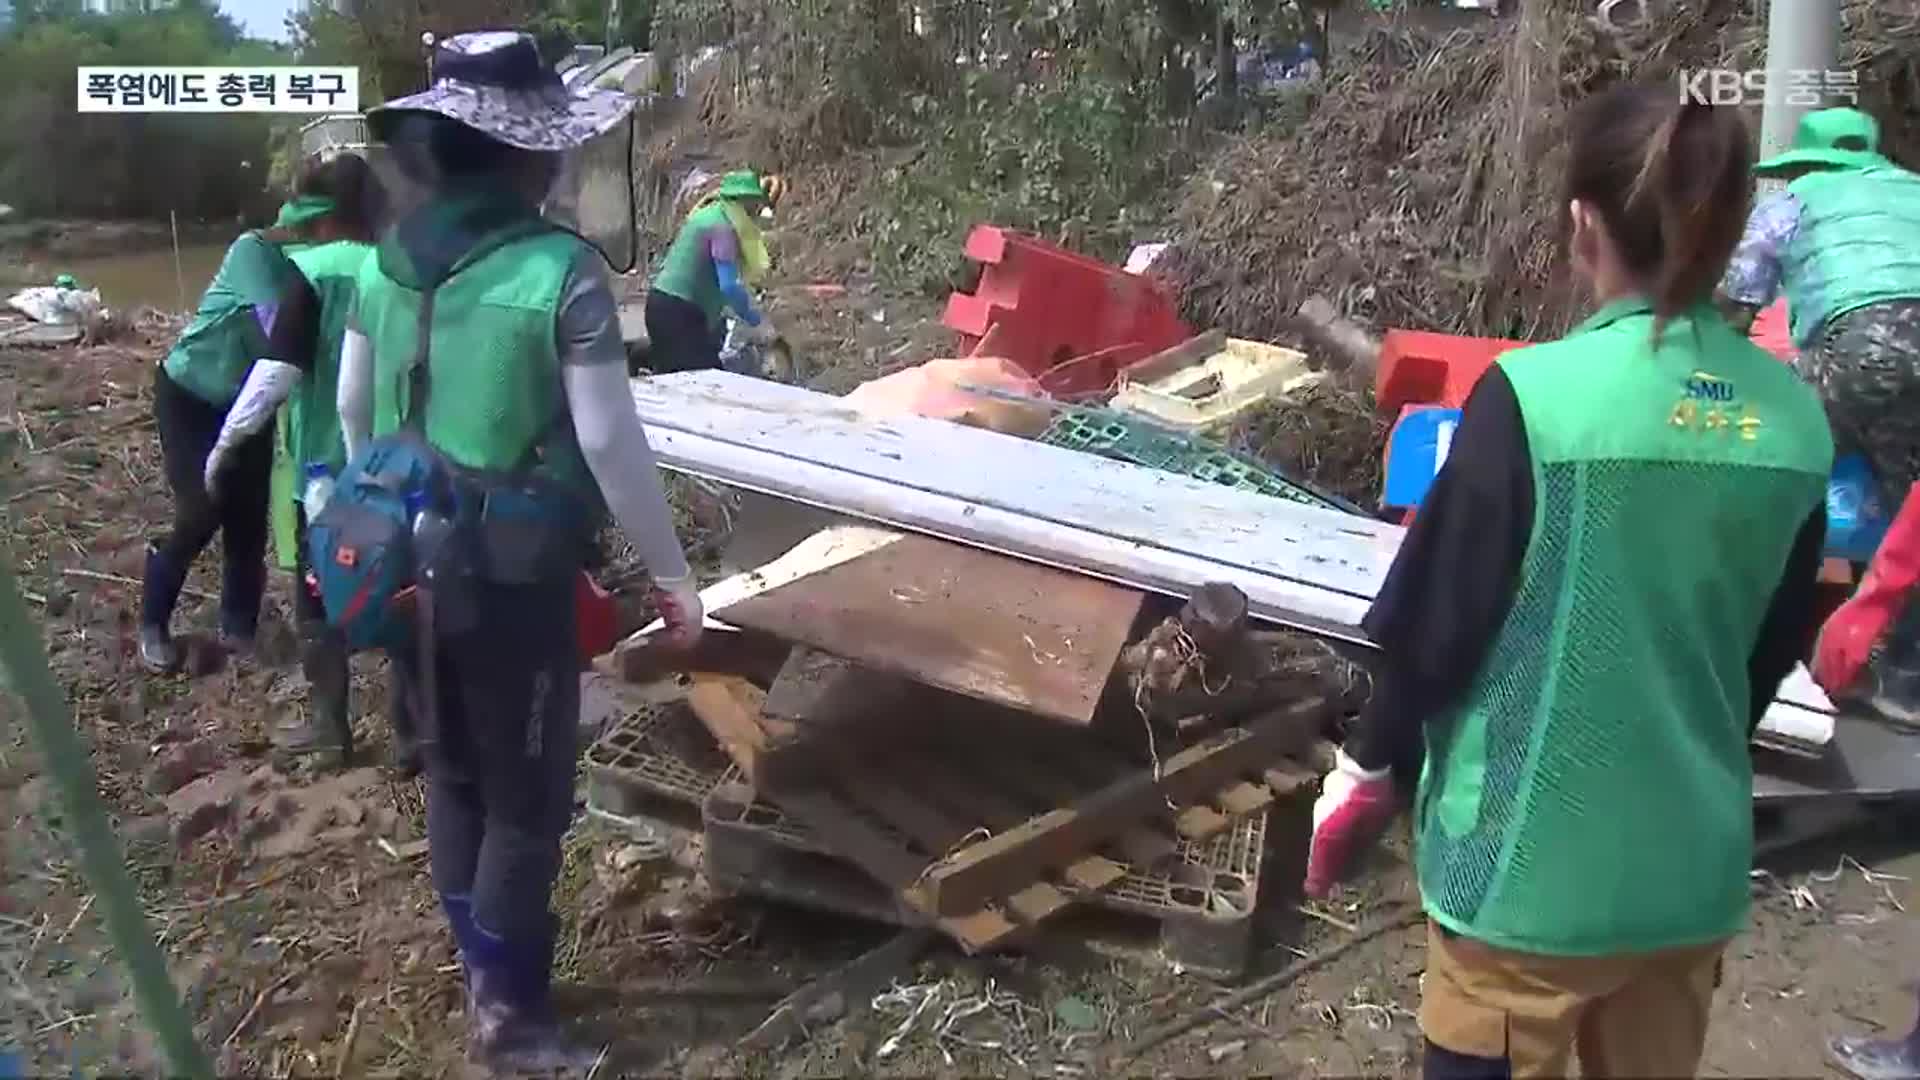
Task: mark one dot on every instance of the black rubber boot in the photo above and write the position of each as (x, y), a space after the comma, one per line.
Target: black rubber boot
(405, 760)
(159, 592)
(1877, 1059)
(511, 1026)
(325, 731)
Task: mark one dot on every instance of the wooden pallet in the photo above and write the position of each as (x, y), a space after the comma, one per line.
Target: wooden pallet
(1198, 907)
(989, 836)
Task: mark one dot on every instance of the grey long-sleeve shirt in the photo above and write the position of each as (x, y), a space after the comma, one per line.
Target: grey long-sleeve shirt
(593, 375)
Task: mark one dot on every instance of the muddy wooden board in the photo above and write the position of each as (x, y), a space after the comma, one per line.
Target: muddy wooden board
(1001, 630)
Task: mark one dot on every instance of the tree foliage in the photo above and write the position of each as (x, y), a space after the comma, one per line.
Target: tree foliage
(383, 37)
(55, 161)
(1067, 118)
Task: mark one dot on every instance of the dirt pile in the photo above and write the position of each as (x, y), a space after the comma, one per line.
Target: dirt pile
(1422, 189)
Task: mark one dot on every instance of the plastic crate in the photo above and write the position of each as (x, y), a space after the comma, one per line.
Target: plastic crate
(1242, 375)
(1119, 436)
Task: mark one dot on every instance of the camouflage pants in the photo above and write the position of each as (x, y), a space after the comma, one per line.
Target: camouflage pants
(1867, 369)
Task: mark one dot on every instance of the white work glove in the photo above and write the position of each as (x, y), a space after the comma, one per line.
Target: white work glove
(267, 386)
(1354, 808)
(678, 601)
(210, 472)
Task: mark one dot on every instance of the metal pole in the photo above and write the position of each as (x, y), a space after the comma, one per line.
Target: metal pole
(179, 274)
(1802, 36)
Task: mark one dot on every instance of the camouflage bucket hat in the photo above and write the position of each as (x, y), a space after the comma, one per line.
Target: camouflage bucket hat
(495, 83)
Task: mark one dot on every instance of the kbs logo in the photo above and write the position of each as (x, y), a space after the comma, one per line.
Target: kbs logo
(1730, 86)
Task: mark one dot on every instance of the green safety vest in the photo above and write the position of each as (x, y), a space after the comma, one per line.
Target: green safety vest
(688, 272)
(495, 396)
(211, 358)
(1591, 794)
(1858, 243)
(311, 422)
(308, 427)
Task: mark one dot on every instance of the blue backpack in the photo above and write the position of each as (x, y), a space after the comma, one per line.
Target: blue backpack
(361, 545)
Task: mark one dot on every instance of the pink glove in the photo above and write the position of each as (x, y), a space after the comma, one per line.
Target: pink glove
(1354, 808)
(679, 604)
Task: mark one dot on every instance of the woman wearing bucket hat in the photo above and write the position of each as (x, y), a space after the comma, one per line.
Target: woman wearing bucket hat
(491, 334)
(719, 252)
(341, 202)
(259, 314)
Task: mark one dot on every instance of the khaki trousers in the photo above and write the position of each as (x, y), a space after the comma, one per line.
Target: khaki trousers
(1638, 1015)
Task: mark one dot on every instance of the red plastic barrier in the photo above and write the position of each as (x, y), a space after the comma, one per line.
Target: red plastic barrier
(1421, 368)
(1055, 309)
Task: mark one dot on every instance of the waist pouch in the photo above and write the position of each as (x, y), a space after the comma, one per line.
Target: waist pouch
(403, 519)
(526, 530)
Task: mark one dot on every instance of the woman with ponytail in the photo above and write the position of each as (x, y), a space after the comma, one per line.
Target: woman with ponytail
(1604, 588)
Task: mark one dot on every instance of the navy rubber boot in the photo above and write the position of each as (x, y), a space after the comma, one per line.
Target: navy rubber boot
(159, 592)
(511, 1027)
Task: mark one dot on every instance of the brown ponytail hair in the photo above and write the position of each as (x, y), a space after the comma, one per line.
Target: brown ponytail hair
(358, 200)
(1671, 179)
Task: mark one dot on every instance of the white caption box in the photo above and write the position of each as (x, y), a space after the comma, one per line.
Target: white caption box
(218, 89)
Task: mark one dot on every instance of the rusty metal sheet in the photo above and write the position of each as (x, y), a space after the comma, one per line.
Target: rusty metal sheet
(996, 629)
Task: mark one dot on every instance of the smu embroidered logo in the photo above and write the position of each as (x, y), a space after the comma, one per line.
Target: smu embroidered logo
(1709, 405)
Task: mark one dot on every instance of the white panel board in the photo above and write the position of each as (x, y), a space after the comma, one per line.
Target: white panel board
(1317, 569)
(1301, 566)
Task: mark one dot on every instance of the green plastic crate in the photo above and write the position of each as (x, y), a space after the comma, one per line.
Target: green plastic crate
(1120, 436)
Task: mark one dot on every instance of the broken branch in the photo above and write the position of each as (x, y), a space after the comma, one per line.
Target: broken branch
(1405, 917)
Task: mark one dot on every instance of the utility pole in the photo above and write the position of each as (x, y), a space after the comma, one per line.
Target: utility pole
(1802, 36)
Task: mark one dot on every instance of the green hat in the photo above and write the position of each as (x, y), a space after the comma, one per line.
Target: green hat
(1830, 138)
(65, 281)
(741, 185)
(299, 211)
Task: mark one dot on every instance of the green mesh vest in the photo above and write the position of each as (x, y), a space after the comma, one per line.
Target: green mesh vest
(687, 271)
(211, 358)
(495, 399)
(1858, 243)
(310, 421)
(1592, 793)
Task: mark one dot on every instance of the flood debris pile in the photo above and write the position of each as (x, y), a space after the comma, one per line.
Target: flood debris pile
(910, 730)
(1422, 191)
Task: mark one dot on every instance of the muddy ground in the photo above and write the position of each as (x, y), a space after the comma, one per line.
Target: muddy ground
(299, 925)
